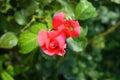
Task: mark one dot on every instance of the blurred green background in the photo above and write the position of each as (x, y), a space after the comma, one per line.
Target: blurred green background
(94, 55)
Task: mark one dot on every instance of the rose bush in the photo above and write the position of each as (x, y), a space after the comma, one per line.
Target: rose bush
(94, 55)
(53, 42)
(71, 27)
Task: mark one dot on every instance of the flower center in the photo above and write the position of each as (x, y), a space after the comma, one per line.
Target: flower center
(53, 44)
(68, 25)
(71, 28)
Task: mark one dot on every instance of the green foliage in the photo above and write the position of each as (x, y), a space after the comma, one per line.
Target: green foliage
(116, 1)
(19, 18)
(6, 76)
(83, 33)
(8, 40)
(85, 10)
(76, 46)
(37, 27)
(2, 59)
(27, 42)
(93, 55)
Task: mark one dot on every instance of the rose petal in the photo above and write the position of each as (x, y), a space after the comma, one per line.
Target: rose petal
(54, 33)
(58, 20)
(75, 32)
(50, 52)
(62, 53)
(46, 51)
(75, 28)
(67, 31)
(61, 39)
(42, 37)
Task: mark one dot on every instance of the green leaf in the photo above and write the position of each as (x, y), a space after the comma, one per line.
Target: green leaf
(27, 42)
(6, 76)
(116, 1)
(85, 10)
(31, 59)
(68, 9)
(76, 46)
(93, 74)
(44, 2)
(18, 69)
(83, 33)
(19, 18)
(49, 25)
(75, 70)
(10, 69)
(37, 27)
(49, 21)
(8, 40)
(99, 43)
(29, 8)
(2, 59)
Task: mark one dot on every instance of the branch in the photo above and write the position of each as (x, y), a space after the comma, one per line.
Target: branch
(34, 17)
(103, 34)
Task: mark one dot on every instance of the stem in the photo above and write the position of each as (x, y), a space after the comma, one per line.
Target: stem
(34, 17)
(103, 34)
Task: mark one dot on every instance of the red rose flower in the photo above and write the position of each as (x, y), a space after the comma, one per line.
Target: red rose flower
(71, 27)
(53, 42)
(58, 20)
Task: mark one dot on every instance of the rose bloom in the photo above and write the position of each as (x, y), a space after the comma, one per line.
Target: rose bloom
(53, 42)
(71, 27)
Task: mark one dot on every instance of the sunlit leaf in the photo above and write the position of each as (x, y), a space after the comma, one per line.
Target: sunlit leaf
(37, 27)
(10, 69)
(6, 76)
(85, 10)
(19, 18)
(8, 40)
(76, 46)
(27, 42)
(116, 1)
